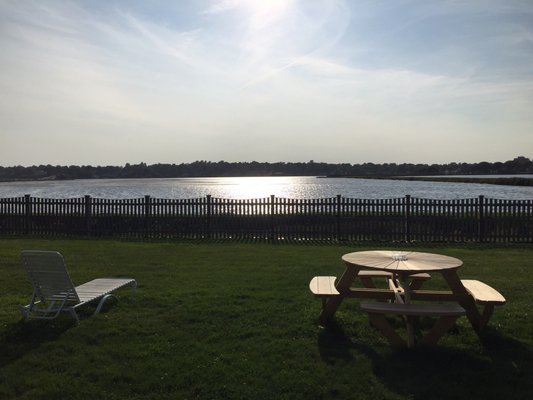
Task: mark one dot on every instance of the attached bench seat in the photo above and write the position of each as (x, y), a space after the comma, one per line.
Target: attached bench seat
(366, 277)
(485, 296)
(483, 293)
(417, 310)
(447, 314)
(323, 287)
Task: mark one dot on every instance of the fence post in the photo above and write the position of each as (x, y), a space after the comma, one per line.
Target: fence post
(272, 228)
(407, 218)
(208, 216)
(27, 214)
(87, 213)
(481, 219)
(147, 214)
(338, 217)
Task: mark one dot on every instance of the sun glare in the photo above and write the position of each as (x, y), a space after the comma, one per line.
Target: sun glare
(256, 187)
(268, 7)
(265, 12)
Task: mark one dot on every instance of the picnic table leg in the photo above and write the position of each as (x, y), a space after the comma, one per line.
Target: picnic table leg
(343, 286)
(380, 323)
(329, 309)
(440, 328)
(409, 320)
(409, 325)
(487, 313)
(466, 301)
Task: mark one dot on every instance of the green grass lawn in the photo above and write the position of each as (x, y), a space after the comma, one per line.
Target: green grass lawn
(237, 321)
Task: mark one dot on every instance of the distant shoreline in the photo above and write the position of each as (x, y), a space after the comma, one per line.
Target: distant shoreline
(511, 181)
(196, 169)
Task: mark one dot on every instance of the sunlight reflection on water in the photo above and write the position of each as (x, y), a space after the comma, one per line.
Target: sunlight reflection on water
(260, 187)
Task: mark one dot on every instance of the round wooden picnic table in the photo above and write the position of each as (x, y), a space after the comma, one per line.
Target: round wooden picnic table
(401, 265)
(401, 262)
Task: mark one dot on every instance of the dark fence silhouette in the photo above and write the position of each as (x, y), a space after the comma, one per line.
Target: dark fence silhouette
(405, 219)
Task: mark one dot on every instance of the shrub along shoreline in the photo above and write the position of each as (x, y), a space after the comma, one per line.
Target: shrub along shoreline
(509, 181)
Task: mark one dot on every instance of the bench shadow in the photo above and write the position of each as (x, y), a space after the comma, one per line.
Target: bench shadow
(22, 337)
(502, 368)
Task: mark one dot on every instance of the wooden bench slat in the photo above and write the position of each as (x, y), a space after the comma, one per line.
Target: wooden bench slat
(483, 293)
(323, 286)
(413, 309)
(384, 274)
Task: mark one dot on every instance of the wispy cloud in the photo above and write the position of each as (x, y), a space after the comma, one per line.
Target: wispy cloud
(191, 82)
(222, 6)
(308, 35)
(168, 42)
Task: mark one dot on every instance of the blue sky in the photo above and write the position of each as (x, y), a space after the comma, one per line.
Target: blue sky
(111, 82)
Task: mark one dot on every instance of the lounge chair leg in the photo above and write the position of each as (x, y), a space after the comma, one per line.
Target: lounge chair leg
(24, 311)
(74, 315)
(102, 301)
(134, 286)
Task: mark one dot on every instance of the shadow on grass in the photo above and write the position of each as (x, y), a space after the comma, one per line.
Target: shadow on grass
(22, 337)
(334, 344)
(502, 369)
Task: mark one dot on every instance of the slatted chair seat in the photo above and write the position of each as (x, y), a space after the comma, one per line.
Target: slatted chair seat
(54, 292)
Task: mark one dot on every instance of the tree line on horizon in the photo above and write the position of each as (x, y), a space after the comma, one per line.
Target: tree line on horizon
(519, 165)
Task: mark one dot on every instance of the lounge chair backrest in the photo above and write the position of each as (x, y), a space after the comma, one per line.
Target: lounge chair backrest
(49, 276)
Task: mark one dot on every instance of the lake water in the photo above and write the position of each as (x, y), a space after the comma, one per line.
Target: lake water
(260, 187)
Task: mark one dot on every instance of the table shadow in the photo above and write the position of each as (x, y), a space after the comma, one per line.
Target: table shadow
(502, 368)
(334, 344)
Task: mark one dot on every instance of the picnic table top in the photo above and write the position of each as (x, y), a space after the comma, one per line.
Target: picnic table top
(401, 261)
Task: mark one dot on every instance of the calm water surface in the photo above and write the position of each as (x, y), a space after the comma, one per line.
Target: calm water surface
(259, 187)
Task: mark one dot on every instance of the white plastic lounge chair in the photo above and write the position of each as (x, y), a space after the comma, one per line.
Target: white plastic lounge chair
(54, 292)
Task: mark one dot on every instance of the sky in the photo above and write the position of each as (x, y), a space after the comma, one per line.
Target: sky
(109, 82)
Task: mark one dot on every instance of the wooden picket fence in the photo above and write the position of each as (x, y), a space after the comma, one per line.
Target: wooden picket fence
(404, 219)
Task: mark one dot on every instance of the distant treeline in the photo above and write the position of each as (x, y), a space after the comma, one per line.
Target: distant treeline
(509, 181)
(520, 165)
